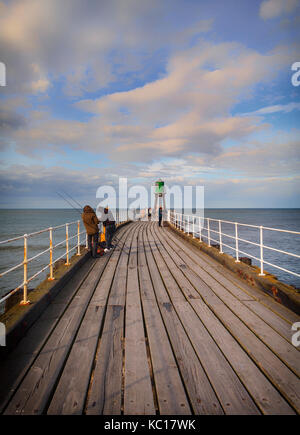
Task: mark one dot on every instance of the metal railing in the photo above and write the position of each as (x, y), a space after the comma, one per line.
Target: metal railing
(121, 216)
(26, 261)
(200, 227)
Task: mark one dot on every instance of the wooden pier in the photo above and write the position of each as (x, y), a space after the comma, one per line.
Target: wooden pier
(155, 327)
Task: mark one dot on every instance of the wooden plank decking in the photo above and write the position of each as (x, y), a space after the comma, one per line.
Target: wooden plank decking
(155, 327)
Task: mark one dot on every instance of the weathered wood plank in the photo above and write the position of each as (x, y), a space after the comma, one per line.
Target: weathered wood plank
(265, 299)
(170, 392)
(15, 366)
(165, 279)
(138, 394)
(202, 397)
(280, 346)
(105, 393)
(232, 394)
(258, 295)
(33, 394)
(277, 372)
(267, 398)
(277, 323)
(201, 394)
(70, 394)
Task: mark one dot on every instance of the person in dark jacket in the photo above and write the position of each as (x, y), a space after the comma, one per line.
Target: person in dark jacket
(91, 222)
(159, 216)
(149, 214)
(110, 227)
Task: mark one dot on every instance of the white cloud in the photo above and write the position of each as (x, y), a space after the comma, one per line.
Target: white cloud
(275, 8)
(285, 108)
(89, 44)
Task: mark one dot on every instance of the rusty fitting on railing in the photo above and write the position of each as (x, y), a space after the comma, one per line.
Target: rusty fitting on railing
(25, 300)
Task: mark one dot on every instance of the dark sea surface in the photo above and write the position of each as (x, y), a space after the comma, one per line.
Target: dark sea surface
(15, 223)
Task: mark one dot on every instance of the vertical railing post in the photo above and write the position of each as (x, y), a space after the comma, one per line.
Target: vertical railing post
(261, 251)
(78, 238)
(67, 263)
(236, 244)
(200, 238)
(86, 241)
(51, 277)
(208, 231)
(25, 301)
(194, 227)
(188, 225)
(220, 237)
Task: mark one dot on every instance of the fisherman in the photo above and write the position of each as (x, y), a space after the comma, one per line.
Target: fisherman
(159, 216)
(91, 222)
(110, 227)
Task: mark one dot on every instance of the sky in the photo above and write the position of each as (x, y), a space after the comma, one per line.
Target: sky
(196, 92)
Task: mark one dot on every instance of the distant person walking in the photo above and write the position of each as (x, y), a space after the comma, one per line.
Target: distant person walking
(91, 222)
(149, 214)
(110, 227)
(159, 216)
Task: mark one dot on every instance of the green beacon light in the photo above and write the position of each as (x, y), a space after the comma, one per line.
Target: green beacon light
(159, 187)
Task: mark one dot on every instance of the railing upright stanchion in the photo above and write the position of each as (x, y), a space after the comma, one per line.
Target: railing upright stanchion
(188, 225)
(261, 251)
(67, 263)
(194, 227)
(236, 244)
(208, 231)
(200, 238)
(78, 238)
(25, 300)
(220, 237)
(51, 277)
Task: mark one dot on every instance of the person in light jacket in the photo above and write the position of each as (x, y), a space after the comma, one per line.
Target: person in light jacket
(91, 222)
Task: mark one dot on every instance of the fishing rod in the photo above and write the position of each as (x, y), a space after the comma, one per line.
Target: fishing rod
(74, 200)
(65, 199)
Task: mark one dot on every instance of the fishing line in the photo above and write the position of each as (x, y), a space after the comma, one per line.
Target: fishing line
(74, 200)
(65, 199)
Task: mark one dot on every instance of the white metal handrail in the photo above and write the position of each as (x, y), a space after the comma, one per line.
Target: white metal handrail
(26, 261)
(183, 222)
(121, 216)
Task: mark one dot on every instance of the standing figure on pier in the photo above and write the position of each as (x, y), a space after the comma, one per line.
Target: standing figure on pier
(110, 227)
(159, 216)
(91, 222)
